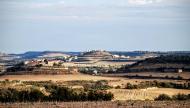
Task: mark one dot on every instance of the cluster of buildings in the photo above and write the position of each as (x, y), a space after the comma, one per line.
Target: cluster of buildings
(49, 61)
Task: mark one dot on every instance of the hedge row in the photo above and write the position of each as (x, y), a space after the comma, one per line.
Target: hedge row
(56, 94)
(147, 84)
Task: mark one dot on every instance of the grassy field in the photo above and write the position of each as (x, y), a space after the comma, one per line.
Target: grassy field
(103, 104)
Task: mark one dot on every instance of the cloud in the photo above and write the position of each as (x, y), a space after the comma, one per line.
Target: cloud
(143, 2)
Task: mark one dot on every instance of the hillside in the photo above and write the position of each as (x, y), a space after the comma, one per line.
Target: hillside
(169, 63)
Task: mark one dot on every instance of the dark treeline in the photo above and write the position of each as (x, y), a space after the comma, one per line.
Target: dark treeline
(56, 94)
(147, 84)
(20, 67)
(168, 59)
(155, 77)
(181, 59)
(165, 97)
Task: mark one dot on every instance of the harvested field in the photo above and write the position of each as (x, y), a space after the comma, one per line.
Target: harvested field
(119, 94)
(70, 77)
(116, 104)
(144, 94)
(112, 80)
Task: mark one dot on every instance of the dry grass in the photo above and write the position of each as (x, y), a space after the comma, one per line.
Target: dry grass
(144, 94)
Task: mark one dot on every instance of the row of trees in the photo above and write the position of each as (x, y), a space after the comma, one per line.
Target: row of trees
(56, 94)
(165, 97)
(147, 84)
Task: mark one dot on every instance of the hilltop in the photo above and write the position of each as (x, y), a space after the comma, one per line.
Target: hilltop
(96, 53)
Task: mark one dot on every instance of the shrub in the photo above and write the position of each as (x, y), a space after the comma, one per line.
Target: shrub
(118, 87)
(163, 97)
(57, 93)
(130, 86)
(180, 97)
(179, 78)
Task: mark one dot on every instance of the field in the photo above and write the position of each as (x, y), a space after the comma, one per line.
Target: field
(116, 104)
(119, 94)
(66, 77)
(144, 94)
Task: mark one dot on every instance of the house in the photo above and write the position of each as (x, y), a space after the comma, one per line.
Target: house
(173, 70)
(52, 62)
(31, 63)
(180, 70)
(95, 72)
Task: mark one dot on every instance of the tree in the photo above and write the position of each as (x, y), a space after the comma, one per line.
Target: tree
(36, 95)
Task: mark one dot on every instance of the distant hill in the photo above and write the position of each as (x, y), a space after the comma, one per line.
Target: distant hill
(96, 53)
(36, 54)
(93, 53)
(162, 64)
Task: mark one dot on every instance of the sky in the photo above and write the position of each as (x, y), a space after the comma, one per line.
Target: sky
(81, 25)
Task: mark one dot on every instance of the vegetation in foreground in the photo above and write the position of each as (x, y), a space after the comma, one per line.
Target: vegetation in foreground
(179, 97)
(146, 84)
(52, 93)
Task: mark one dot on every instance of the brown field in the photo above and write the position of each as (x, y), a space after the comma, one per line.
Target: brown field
(115, 104)
(112, 80)
(144, 94)
(119, 94)
(66, 77)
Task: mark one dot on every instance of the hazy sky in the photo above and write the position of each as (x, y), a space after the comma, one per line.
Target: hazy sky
(80, 25)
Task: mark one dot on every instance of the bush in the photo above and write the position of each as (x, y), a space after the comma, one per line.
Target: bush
(179, 78)
(57, 93)
(99, 96)
(163, 97)
(130, 86)
(98, 85)
(36, 95)
(118, 87)
(179, 97)
(147, 84)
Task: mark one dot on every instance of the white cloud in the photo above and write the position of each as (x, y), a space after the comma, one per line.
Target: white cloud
(143, 2)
